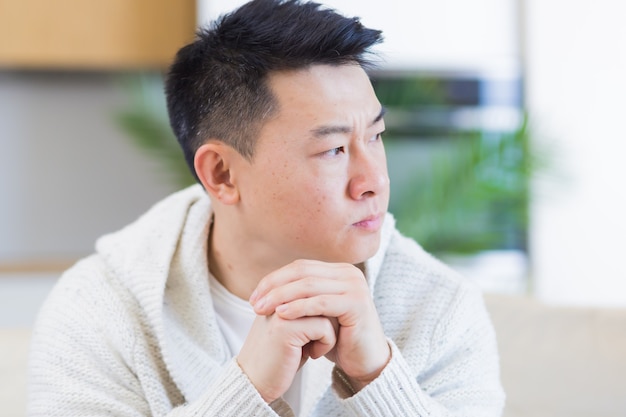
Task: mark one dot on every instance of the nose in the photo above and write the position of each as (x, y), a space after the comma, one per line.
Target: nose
(369, 176)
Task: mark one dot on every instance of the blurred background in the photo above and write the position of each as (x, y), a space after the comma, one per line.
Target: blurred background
(505, 136)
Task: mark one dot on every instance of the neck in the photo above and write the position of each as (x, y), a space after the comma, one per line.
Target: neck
(237, 261)
(234, 261)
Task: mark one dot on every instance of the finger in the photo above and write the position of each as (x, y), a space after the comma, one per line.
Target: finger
(320, 347)
(327, 305)
(271, 362)
(293, 272)
(304, 279)
(318, 330)
(301, 289)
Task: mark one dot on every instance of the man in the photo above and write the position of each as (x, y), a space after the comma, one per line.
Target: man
(280, 285)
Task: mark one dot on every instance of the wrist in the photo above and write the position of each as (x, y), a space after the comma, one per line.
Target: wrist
(357, 383)
(346, 386)
(354, 383)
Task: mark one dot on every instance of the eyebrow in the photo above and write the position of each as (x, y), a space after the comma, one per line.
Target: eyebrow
(322, 131)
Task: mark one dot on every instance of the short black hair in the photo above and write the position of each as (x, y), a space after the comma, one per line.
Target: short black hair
(217, 85)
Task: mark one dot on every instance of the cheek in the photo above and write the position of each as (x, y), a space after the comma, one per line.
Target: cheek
(305, 201)
(296, 197)
(320, 208)
(276, 183)
(307, 205)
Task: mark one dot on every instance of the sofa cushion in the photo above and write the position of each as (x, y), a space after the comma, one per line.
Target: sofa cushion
(14, 344)
(560, 361)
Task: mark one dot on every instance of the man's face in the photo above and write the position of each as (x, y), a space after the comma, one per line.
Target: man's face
(317, 187)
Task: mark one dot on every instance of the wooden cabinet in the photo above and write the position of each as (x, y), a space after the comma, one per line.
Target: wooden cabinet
(93, 34)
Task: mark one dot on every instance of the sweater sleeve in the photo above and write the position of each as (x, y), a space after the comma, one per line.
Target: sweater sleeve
(88, 358)
(80, 362)
(233, 395)
(461, 377)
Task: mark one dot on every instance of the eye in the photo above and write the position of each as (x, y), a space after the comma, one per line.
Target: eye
(377, 137)
(334, 151)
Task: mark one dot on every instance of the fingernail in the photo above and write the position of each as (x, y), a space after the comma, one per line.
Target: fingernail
(254, 296)
(259, 305)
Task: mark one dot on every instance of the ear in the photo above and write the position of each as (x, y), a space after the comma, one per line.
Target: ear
(213, 162)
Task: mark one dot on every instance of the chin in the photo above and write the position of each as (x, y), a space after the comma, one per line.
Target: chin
(362, 254)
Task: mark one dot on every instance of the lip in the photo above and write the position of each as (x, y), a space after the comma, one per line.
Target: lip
(371, 223)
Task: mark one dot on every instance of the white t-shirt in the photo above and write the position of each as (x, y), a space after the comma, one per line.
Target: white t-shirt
(234, 318)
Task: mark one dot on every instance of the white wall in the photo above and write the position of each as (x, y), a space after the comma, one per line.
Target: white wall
(476, 35)
(67, 172)
(576, 87)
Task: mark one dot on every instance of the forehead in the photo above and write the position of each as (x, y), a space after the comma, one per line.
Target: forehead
(325, 90)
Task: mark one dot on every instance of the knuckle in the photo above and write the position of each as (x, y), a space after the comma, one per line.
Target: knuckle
(323, 303)
(309, 284)
(300, 263)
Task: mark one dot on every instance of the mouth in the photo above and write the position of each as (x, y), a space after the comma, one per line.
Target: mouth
(371, 223)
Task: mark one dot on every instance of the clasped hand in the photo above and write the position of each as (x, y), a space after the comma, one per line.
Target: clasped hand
(310, 309)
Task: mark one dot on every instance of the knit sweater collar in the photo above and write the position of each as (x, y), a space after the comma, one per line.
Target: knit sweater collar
(161, 259)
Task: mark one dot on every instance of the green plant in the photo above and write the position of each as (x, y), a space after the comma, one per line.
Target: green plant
(470, 191)
(471, 194)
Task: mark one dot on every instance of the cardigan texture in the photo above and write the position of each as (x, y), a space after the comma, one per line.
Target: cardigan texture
(131, 331)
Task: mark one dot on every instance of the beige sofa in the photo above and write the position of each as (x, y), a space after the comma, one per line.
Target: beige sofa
(13, 357)
(556, 362)
(560, 361)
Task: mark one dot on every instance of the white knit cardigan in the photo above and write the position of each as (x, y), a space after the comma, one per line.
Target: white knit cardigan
(131, 331)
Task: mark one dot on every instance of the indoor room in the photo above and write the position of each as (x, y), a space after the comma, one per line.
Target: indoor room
(503, 143)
